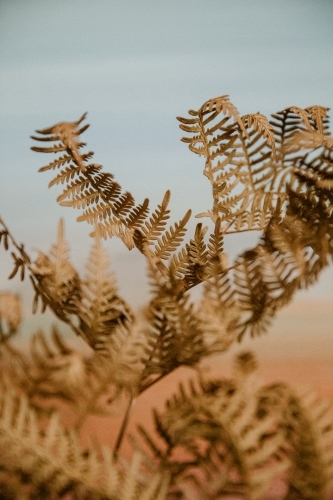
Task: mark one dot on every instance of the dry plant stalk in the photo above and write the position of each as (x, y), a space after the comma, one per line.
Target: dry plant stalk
(216, 439)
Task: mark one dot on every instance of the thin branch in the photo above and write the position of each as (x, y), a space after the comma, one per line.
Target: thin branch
(123, 426)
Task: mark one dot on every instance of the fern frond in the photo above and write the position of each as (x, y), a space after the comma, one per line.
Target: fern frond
(161, 349)
(266, 277)
(216, 310)
(295, 128)
(90, 197)
(57, 282)
(53, 457)
(216, 324)
(99, 212)
(114, 370)
(251, 296)
(57, 464)
(306, 140)
(138, 215)
(88, 186)
(260, 124)
(249, 171)
(114, 227)
(134, 488)
(318, 419)
(192, 261)
(217, 428)
(60, 162)
(179, 264)
(52, 149)
(204, 126)
(306, 422)
(171, 239)
(285, 124)
(318, 115)
(65, 175)
(279, 276)
(239, 153)
(221, 103)
(67, 133)
(173, 336)
(10, 315)
(124, 204)
(197, 248)
(77, 188)
(286, 237)
(157, 222)
(101, 309)
(57, 369)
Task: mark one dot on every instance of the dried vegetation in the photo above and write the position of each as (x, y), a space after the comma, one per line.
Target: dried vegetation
(215, 439)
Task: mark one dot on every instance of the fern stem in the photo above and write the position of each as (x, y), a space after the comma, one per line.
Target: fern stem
(123, 426)
(236, 231)
(127, 416)
(128, 413)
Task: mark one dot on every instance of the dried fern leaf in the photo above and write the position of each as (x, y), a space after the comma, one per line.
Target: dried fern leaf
(134, 487)
(52, 458)
(161, 347)
(77, 188)
(171, 239)
(57, 148)
(137, 215)
(239, 153)
(306, 140)
(10, 314)
(57, 369)
(67, 133)
(306, 422)
(216, 426)
(290, 126)
(260, 123)
(101, 309)
(251, 296)
(154, 227)
(189, 264)
(57, 281)
(205, 116)
(319, 414)
(179, 264)
(124, 355)
(123, 204)
(59, 163)
(173, 335)
(318, 115)
(114, 227)
(65, 175)
(216, 310)
(86, 187)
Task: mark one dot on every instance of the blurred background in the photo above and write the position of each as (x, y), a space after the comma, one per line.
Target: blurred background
(135, 66)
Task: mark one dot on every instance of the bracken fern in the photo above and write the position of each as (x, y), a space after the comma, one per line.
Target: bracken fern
(214, 439)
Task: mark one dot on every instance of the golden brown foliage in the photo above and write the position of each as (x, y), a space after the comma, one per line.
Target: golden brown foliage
(237, 437)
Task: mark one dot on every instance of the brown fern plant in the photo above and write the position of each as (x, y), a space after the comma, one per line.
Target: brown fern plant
(215, 439)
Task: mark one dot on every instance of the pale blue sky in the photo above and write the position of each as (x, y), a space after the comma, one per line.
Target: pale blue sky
(134, 66)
